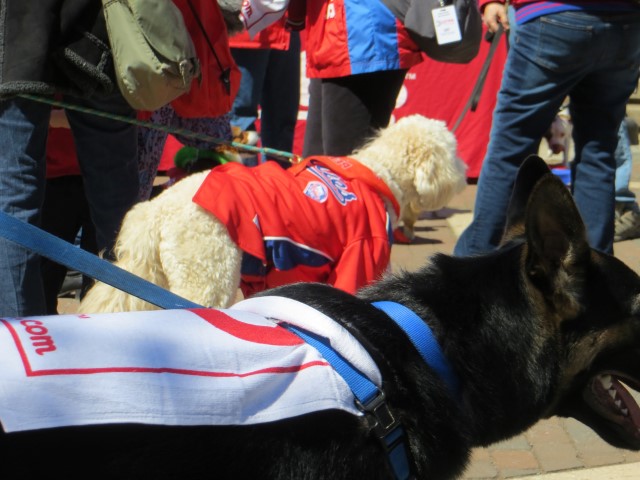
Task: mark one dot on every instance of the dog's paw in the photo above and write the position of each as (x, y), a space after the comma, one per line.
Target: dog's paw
(402, 235)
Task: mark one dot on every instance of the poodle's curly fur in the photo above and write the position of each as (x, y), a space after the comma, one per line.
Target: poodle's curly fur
(174, 243)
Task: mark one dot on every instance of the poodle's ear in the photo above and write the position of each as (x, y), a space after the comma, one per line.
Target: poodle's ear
(439, 177)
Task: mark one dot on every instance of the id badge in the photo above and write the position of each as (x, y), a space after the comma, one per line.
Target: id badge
(445, 20)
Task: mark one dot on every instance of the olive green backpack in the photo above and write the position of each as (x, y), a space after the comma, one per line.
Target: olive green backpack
(154, 57)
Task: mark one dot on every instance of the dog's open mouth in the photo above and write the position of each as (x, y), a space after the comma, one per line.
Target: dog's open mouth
(611, 400)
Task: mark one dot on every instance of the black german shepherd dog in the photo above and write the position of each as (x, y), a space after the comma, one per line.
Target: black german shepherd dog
(543, 326)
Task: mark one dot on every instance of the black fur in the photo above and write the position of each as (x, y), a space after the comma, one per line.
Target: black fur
(526, 328)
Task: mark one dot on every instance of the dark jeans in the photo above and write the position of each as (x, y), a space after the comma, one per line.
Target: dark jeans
(271, 81)
(65, 214)
(106, 151)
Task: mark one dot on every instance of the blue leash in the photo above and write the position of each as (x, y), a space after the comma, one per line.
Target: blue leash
(64, 253)
(369, 398)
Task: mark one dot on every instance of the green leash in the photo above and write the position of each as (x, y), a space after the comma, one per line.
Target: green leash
(177, 131)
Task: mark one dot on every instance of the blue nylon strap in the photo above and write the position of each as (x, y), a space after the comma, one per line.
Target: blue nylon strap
(398, 459)
(363, 388)
(422, 338)
(64, 253)
(365, 391)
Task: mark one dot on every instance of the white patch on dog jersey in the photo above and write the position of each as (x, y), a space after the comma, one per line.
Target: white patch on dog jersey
(172, 367)
(316, 191)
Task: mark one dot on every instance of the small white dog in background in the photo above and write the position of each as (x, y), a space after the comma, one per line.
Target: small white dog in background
(559, 137)
(178, 245)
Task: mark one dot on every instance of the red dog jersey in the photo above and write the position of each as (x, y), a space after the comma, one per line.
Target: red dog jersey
(320, 221)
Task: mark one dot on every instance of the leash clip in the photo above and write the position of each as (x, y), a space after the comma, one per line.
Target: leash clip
(389, 432)
(381, 420)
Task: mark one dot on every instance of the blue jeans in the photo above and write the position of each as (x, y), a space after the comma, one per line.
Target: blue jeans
(270, 79)
(107, 155)
(624, 163)
(593, 59)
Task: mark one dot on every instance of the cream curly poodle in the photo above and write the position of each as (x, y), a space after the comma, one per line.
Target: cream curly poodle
(409, 167)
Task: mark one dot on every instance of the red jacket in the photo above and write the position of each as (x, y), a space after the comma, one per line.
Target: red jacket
(323, 221)
(275, 36)
(211, 96)
(346, 37)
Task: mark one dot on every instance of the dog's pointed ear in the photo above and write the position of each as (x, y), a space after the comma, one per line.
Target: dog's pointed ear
(557, 247)
(530, 172)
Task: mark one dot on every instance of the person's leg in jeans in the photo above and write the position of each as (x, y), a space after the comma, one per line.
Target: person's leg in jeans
(107, 153)
(627, 214)
(352, 110)
(527, 103)
(280, 98)
(624, 161)
(62, 216)
(598, 104)
(24, 125)
(252, 63)
(537, 77)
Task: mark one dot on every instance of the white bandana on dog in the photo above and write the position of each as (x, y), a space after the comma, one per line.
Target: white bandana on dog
(172, 367)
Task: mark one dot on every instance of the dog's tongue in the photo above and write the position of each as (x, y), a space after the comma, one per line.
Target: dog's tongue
(619, 402)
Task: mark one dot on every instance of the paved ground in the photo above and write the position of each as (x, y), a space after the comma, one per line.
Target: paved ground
(554, 445)
(564, 449)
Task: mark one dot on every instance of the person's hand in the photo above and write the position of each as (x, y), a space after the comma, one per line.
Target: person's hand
(495, 14)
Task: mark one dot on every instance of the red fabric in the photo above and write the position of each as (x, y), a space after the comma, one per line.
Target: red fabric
(350, 169)
(208, 96)
(275, 36)
(171, 147)
(337, 38)
(315, 212)
(61, 153)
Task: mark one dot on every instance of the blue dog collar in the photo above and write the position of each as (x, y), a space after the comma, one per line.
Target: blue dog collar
(422, 338)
